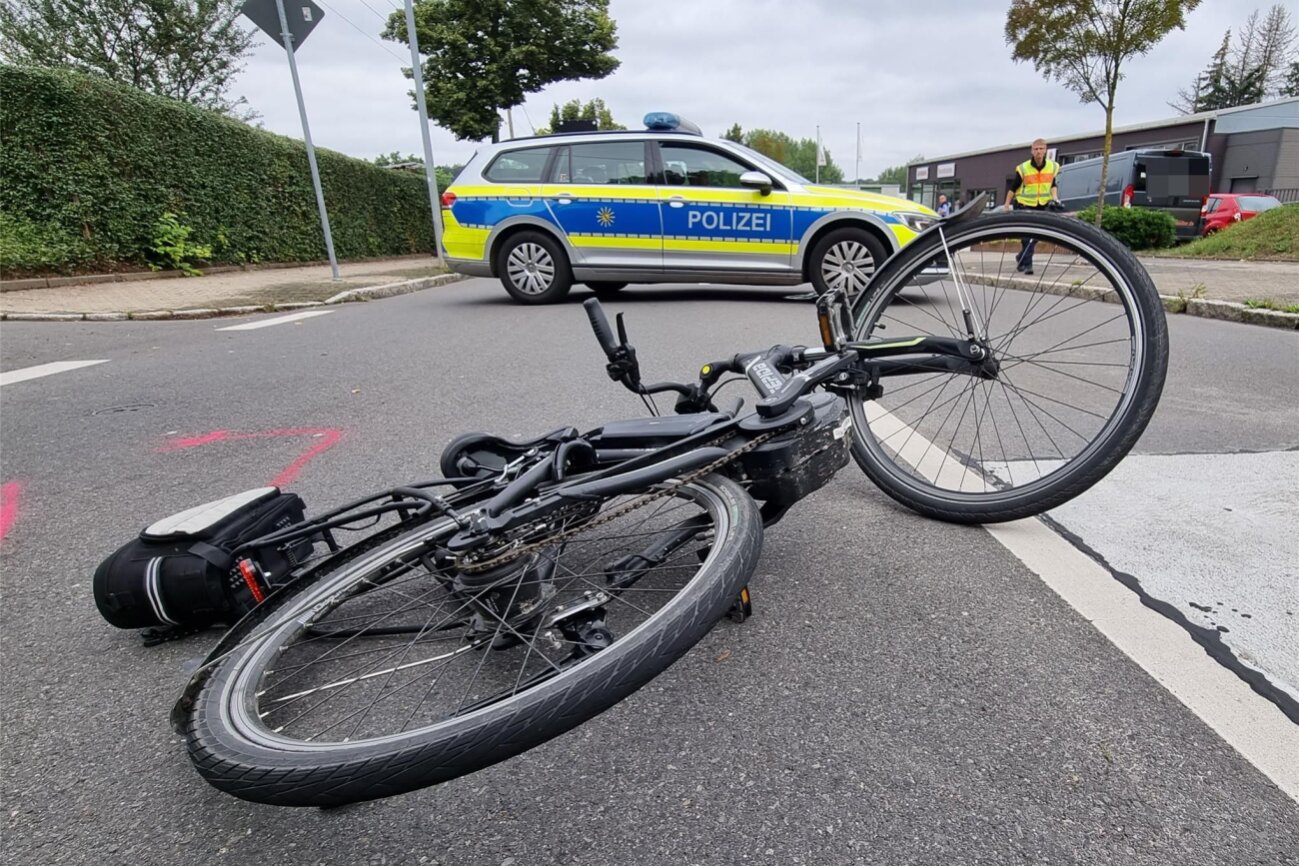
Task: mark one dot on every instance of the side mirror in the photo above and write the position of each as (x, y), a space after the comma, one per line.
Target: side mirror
(756, 180)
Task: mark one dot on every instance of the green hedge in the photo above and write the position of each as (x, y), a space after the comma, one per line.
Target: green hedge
(89, 166)
(1138, 227)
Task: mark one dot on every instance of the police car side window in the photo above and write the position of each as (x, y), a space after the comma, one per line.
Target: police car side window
(696, 166)
(607, 162)
(519, 166)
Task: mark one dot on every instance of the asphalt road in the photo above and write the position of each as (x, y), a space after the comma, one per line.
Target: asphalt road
(908, 692)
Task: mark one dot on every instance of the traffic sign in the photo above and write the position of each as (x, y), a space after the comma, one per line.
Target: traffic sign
(302, 15)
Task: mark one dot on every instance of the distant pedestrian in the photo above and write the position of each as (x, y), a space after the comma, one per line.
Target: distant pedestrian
(944, 206)
(1034, 188)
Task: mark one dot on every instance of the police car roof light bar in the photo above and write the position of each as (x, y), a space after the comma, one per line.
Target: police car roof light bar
(667, 121)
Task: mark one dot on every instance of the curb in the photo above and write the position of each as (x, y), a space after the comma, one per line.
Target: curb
(367, 293)
(1226, 311)
(26, 283)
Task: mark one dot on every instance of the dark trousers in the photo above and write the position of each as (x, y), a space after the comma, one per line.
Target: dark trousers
(1024, 261)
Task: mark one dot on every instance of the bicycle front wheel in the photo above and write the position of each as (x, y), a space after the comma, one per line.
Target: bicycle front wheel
(397, 670)
(1080, 345)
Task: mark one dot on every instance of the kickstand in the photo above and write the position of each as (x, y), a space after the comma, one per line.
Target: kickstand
(742, 607)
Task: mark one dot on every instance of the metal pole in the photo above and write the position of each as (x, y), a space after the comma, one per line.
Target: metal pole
(856, 169)
(818, 155)
(430, 171)
(306, 136)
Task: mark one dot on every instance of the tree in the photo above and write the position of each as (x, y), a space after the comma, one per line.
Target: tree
(384, 160)
(735, 134)
(1227, 83)
(1276, 48)
(1209, 87)
(896, 173)
(798, 154)
(481, 56)
(184, 49)
(1249, 72)
(1085, 48)
(1291, 85)
(593, 110)
(445, 173)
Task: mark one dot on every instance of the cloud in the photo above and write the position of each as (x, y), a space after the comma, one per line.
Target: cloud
(928, 76)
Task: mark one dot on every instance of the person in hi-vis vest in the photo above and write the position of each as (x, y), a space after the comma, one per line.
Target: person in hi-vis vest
(1033, 189)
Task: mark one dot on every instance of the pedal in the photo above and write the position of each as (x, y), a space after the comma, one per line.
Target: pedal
(742, 607)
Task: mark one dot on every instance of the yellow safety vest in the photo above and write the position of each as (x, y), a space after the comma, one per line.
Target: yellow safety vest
(1035, 183)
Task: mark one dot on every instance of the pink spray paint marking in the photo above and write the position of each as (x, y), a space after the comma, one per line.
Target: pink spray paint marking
(328, 437)
(10, 493)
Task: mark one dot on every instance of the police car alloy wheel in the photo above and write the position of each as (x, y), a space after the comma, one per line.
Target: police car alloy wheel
(845, 259)
(533, 269)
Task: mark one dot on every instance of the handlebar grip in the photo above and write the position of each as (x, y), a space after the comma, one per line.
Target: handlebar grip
(600, 324)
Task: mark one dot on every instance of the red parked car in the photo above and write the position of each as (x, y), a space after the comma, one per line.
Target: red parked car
(1222, 209)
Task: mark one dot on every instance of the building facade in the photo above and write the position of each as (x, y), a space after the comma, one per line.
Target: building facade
(1253, 148)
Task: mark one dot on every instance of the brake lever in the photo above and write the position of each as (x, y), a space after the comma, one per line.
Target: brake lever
(624, 367)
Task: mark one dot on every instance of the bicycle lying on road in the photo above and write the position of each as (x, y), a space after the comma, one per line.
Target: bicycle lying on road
(550, 579)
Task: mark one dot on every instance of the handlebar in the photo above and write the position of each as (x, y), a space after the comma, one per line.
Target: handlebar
(778, 391)
(600, 324)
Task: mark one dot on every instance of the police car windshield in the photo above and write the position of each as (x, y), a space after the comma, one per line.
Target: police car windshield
(771, 165)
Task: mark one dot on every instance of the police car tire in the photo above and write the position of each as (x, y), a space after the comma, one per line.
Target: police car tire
(560, 283)
(606, 289)
(838, 236)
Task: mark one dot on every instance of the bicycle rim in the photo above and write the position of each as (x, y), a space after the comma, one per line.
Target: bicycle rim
(1081, 360)
(396, 644)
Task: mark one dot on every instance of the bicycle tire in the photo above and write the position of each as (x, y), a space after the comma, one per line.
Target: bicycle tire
(233, 749)
(908, 291)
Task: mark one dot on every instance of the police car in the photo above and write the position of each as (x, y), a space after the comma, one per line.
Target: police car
(663, 204)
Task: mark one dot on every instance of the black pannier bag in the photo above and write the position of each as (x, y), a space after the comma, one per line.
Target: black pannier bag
(179, 574)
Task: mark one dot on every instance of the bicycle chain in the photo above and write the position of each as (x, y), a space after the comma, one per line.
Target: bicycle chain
(626, 508)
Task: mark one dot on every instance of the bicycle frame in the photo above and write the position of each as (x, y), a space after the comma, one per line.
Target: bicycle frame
(639, 457)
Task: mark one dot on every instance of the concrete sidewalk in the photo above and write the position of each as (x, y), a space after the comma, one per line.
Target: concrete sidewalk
(226, 293)
(1221, 280)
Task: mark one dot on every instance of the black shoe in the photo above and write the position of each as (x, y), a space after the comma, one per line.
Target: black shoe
(1020, 268)
(1028, 272)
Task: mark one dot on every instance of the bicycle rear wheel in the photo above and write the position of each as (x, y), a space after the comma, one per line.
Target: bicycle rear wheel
(1081, 348)
(397, 671)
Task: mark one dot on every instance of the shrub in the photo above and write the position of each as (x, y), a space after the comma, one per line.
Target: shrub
(1140, 228)
(26, 246)
(89, 165)
(173, 248)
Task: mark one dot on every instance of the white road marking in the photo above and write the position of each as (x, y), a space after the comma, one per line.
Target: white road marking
(45, 370)
(279, 320)
(1211, 535)
(1254, 726)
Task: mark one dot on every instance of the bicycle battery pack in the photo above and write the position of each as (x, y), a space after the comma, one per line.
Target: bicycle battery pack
(179, 572)
(793, 464)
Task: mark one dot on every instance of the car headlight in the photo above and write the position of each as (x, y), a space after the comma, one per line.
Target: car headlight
(917, 222)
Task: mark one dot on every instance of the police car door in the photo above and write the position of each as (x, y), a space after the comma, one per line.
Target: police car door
(712, 223)
(600, 196)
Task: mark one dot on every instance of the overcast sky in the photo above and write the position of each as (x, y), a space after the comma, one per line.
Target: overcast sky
(928, 77)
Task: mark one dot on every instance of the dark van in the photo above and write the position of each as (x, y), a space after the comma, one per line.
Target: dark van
(1174, 181)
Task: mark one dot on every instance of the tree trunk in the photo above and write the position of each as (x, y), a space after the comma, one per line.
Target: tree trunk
(1105, 159)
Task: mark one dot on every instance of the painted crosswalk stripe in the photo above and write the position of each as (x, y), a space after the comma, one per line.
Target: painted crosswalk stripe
(279, 320)
(40, 370)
